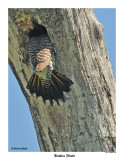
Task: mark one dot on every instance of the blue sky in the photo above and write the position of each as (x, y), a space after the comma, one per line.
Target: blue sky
(20, 124)
(107, 17)
(21, 128)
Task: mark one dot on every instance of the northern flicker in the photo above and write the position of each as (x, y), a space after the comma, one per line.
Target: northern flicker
(45, 81)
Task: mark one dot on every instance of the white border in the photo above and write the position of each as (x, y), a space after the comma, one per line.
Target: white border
(4, 78)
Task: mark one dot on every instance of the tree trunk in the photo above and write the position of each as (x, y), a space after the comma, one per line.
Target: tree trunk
(86, 121)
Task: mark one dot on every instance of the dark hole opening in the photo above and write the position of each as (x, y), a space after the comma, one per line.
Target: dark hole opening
(37, 30)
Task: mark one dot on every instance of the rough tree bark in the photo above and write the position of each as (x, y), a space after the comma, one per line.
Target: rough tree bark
(86, 121)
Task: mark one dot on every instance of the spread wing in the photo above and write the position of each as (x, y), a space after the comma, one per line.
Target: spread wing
(43, 59)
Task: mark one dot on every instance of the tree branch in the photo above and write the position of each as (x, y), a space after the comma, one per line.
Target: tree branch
(86, 121)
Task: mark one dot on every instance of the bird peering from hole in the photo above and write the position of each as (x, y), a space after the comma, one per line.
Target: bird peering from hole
(45, 81)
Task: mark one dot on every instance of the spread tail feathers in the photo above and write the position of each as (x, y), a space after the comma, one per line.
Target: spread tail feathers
(59, 83)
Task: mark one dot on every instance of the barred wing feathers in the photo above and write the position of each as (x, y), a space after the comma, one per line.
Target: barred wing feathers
(43, 58)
